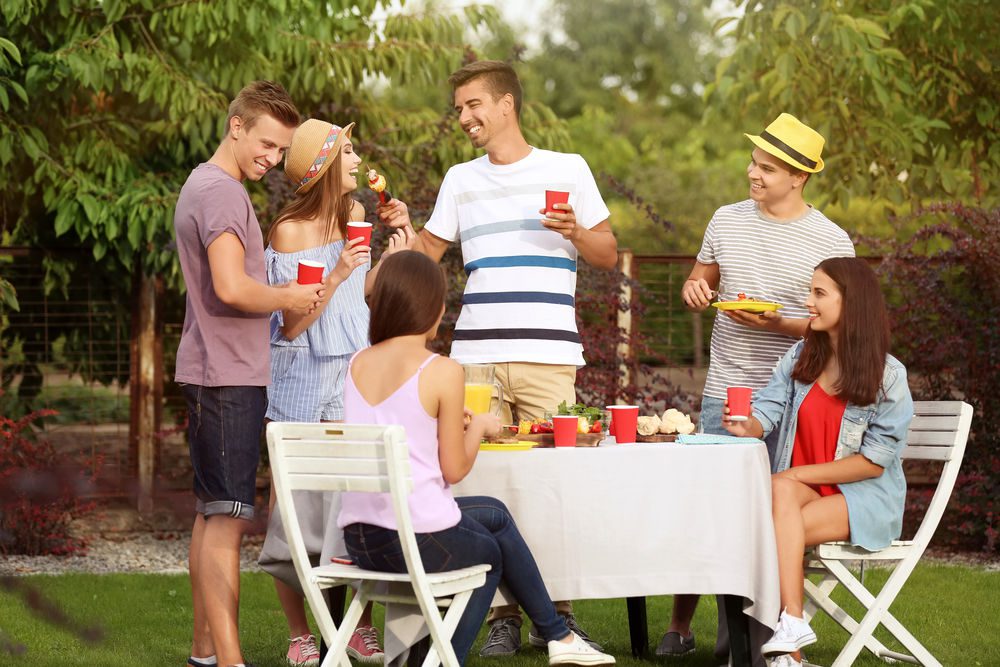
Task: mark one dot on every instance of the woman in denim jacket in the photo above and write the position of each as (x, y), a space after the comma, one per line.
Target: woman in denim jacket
(842, 407)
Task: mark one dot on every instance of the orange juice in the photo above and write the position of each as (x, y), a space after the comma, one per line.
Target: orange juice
(477, 397)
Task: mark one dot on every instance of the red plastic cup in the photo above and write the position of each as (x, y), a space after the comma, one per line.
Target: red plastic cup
(310, 272)
(553, 197)
(739, 403)
(564, 429)
(361, 230)
(624, 419)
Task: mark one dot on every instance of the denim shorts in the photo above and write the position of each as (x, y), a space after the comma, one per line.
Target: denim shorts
(224, 429)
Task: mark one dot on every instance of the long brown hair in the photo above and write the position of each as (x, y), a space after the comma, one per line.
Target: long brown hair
(862, 333)
(407, 297)
(321, 202)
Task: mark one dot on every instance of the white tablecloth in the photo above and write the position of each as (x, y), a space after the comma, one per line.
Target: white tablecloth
(625, 521)
(647, 519)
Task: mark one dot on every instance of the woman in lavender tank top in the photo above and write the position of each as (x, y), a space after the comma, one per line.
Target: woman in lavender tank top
(396, 381)
(309, 353)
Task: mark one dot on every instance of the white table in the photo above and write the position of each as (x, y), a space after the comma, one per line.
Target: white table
(629, 521)
(642, 519)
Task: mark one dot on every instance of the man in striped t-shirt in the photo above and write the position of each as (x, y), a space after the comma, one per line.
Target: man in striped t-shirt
(765, 247)
(519, 306)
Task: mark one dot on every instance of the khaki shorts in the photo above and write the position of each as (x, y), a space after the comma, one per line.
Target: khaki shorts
(531, 390)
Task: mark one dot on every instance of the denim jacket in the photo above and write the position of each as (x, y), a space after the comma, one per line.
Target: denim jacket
(877, 432)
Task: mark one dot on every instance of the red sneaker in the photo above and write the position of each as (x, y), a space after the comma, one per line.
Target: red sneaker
(302, 652)
(364, 647)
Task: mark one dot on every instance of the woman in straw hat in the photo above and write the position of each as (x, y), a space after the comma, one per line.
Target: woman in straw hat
(310, 353)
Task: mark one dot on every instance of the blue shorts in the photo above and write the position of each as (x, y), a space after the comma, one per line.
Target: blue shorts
(224, 429)
(305, 387)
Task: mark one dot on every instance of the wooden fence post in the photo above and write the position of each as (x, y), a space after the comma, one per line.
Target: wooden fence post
(146, 386)
(625, 326)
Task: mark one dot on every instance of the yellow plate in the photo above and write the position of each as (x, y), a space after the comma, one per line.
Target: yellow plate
(750, 306)
(519, 446)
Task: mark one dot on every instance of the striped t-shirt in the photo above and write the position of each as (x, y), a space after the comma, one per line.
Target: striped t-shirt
(520, 296)
(769, 261)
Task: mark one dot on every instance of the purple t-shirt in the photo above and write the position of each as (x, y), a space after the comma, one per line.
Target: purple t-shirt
(220, 345)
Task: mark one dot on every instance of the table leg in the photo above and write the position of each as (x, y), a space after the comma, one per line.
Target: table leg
(638, 630)
(418, 652)
(335, 598)
(739, 631)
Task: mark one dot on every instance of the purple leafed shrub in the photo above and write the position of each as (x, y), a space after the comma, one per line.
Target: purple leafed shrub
(40, 491)
(943, 285)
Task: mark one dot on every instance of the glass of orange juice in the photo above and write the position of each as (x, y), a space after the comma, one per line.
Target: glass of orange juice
(480, 382)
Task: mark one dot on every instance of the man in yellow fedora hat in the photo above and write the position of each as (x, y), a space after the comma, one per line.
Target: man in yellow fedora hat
(765, 248)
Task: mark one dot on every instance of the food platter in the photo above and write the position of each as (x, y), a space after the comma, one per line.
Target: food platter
(519, 446)
(749, 306)
(656, 437)
(549, 439)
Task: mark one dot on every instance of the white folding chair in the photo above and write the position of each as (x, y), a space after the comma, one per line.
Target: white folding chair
(369, 458)
(938, 432)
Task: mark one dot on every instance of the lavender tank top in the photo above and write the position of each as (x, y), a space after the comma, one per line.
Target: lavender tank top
(432, 506)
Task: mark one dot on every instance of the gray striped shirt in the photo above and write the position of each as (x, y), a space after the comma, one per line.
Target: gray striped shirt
(769, 261)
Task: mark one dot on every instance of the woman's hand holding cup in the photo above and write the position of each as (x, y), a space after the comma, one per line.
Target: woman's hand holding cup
(749, 427)
(354, 254)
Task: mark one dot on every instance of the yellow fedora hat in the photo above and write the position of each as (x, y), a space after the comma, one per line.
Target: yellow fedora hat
(793, 142)
(315, 144)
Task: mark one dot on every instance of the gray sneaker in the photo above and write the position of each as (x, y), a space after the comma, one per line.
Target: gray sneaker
(503, 640)
(673, 645)
(536, 641)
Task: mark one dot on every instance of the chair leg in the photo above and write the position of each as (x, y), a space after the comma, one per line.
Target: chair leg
(825, 587)
(878, 612)
(822, 601)
(447, 626)
(337, 653)
(443, 628)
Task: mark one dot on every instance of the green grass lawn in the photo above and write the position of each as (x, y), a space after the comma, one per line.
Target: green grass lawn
(146, 620)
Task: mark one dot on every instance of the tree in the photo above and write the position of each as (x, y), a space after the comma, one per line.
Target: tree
(628, 78)
(108, 105)
(115, 101)
(905, 92)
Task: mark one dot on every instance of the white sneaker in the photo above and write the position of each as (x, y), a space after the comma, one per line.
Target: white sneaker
(791, 634)
(785, 661)
(577, 652)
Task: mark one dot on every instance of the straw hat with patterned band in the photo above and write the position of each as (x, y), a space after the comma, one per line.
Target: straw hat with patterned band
(315, 144)
(793, 142)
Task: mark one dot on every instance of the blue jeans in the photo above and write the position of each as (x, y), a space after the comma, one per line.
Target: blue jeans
(486, 534)
(711, 422)
(224, 427)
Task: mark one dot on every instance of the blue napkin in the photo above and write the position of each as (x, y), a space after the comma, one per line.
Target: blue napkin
(709, 439)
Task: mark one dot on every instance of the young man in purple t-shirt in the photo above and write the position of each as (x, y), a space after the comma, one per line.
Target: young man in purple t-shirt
(223, 360)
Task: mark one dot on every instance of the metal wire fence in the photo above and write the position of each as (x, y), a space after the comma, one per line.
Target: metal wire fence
(70, 347)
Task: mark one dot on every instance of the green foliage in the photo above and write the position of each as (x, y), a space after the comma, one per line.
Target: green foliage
(906, 93)
(628, 77)
(108, 105)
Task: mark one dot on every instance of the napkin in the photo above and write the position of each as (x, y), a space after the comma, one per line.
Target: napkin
(709, 439)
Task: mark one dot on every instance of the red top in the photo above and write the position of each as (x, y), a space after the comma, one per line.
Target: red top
(818, 428)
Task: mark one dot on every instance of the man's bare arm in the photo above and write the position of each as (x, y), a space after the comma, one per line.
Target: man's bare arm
(226, 259)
